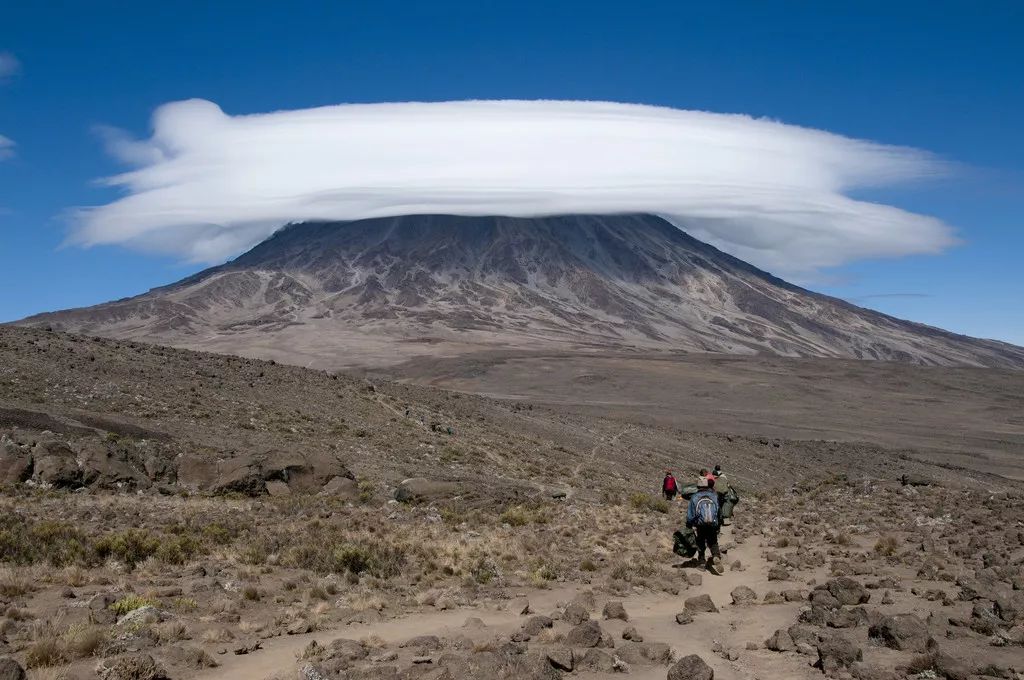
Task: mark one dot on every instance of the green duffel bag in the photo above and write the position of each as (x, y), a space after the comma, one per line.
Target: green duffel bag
(688, 491)
(727, 507)
(684, 543)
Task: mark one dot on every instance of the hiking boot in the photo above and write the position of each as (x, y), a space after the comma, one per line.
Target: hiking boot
(714, 567)
(700, 558)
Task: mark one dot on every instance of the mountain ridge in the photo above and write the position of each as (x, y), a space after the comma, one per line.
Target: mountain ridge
(378, 291)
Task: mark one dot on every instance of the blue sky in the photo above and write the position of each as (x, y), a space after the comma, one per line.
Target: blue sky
(940, 76)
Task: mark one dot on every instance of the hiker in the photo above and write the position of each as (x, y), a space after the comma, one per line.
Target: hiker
(702, 516)
(668, 486)
(721, 484)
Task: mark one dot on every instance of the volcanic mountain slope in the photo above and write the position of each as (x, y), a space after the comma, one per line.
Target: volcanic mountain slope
(378, 291)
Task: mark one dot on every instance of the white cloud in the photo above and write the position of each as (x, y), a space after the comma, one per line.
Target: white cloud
(9, 65)
(6, 147)
(207, 185)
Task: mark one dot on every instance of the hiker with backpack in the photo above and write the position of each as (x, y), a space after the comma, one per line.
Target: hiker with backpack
(668, 486)
(702, 515)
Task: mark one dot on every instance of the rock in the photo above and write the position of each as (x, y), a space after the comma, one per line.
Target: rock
(644, 653)
(949, 667)
(311, 672)
(780, 641)
(475, 623)
(299, 627)
(575, 614)
(55, 463)
(793, 595)
(847, 618)
(15, 463)
(422, 490)
(348, 650)
(142, 616)
(134, 667)
(596, 660)
(423, 643)
(615, 610)
(519, 606)
(684, 617)
(905, 632)
(772, 597)
(535, 624)
(823, 598)
(278, 488)
(693, 578)
(847, 590)
(587, 634)
(743, 595)
(691, 667)
(561, 658)
(11, 670)
(778, 574)
(341, 487)
(836, 652)
(700, 603)
(631, 633)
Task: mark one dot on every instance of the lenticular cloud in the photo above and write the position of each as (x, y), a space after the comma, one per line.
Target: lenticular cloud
(207, 185)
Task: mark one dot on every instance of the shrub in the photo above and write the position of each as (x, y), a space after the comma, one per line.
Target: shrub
(130, 546)
(83, 640)
(130, 603)
(887, 545)
(648, 503)
(44, 651)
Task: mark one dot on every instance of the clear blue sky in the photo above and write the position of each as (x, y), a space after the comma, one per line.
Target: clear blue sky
(941, 76)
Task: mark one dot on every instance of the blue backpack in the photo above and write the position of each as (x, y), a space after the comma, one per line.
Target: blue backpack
(706, 511)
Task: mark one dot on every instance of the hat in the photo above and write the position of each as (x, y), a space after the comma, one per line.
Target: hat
(702, 482)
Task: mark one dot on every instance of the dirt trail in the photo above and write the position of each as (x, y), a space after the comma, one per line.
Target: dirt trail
(651, 613)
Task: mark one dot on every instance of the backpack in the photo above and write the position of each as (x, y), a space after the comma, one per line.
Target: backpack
(706, 512)
(670, 484)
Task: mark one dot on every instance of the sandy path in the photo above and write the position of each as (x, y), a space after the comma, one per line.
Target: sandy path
(652, 614)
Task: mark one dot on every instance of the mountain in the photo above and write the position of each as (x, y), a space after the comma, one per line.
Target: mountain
(379, 291)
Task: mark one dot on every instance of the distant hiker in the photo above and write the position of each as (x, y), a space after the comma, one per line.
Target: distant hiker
(668, 486)
(703, 517)
(707, 475)
(724, 495)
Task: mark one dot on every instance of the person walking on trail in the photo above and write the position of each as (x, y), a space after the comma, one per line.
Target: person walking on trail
(668, 486)
(721, 485)
(702, 515)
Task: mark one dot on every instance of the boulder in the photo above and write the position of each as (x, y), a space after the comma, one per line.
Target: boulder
(596, 660)
(561, 658)
(615, 610)
(743, 595)
(11, 670)
(691, 667)
(54, 463)
(836, 652)
(341, 487)
(536, 624)
(847, 591)
(778, 574)
(631, 633)
(422, 490)
(700, 603)
(684, 617)
(15, 463)
(780, 641)
(575, 614)
(587, 634)
(112, 466)
(905, 632)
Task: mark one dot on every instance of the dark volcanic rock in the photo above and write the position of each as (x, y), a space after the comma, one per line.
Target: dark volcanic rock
(905, 632)
(691, 668)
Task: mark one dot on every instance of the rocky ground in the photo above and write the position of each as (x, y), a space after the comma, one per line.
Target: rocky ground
(172, 514)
